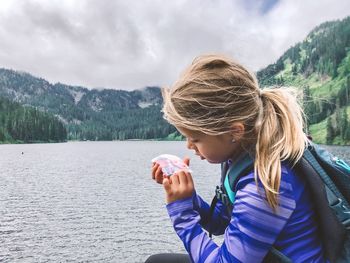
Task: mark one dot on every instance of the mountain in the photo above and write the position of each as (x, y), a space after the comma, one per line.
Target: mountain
(320, 67)
(90, 114)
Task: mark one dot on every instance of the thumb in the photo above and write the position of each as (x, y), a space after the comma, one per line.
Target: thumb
(187, 161)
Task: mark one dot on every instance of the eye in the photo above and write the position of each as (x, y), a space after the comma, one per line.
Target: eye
(194, 140)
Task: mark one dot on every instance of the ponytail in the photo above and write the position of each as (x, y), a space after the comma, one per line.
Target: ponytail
(280, 136)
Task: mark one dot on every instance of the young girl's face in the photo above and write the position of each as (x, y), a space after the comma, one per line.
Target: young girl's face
(215, 149)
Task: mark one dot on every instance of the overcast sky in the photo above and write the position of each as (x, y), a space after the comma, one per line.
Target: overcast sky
(132, 44)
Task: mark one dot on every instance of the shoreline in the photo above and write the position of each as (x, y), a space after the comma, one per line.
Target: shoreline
(132, 140)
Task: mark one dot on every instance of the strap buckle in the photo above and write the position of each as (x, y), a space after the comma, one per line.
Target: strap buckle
(343, 212)
(222, 196)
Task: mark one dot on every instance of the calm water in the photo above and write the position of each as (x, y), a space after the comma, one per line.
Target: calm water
(90, 201)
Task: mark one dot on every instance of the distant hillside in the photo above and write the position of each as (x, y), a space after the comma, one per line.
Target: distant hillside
(320, 66)
(91, 114)
(27, 124)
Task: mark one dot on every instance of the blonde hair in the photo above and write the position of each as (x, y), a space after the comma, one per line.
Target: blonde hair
(215, 91)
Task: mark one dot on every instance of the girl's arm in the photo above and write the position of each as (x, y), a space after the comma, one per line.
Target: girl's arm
(220, 217)
(253, 228)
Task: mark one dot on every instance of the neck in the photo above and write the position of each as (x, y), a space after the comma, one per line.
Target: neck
(239, 152)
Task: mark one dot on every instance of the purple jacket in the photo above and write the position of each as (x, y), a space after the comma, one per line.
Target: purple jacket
(252, 227)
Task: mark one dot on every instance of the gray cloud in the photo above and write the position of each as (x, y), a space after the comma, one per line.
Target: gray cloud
(128, 45)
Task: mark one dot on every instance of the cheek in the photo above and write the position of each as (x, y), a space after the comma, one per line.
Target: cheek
(216, 154)
(201, 150)
(210, 154)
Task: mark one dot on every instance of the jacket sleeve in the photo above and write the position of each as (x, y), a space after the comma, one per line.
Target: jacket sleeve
(252, 230)
(219, 220)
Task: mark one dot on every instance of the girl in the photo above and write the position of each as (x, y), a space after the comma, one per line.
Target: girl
(217, 105)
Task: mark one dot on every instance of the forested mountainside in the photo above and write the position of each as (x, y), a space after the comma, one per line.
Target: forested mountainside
(27, 124)
(320, 67)
(91, 114)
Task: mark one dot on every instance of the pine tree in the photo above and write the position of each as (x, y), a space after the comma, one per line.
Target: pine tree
(330, 131)
(345, 125)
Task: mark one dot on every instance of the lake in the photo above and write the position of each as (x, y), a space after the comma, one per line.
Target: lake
(91, 201)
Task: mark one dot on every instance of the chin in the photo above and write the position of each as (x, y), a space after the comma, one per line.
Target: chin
(215, 161)
(211, 161)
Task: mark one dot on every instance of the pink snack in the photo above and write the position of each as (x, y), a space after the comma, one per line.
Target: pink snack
(171, 164)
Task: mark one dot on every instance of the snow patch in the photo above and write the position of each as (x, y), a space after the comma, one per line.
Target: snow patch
(77, 95)
(96, 104)
(63, 120)
(76, 121)
(144, 104)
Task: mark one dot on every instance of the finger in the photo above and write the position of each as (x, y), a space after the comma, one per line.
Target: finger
(154, 168)
(190, 180)
(159, 169)
(182, 178)
(187, 161)
(168, 177)
(154, 165)
(159, 175)
(166, 184)
(155, 171)
(175, 179)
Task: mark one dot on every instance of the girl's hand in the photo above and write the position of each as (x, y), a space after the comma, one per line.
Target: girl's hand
(157, 174)
(179, 186)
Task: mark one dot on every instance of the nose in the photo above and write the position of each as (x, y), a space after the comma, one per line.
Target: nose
(190, 145)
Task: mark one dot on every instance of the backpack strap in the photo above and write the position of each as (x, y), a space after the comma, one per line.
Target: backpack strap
(221, 195)
(229, 178)
(276, 256)
(240, 168)
(211, 212)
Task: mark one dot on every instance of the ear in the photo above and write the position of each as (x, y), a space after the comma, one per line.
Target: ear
(237, 130)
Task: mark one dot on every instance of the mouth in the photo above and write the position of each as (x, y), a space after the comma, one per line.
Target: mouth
(200, 156)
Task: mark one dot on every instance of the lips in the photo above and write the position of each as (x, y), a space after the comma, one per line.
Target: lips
(200, 156)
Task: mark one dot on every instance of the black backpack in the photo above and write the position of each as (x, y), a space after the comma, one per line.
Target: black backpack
(328, 180)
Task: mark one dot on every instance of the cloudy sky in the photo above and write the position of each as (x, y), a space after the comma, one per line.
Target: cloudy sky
(131, 44)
